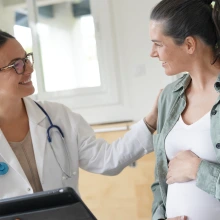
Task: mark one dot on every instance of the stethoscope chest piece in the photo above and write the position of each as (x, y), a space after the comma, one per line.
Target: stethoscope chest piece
(3, 168)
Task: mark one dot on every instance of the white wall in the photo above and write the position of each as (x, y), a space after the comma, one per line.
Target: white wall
(141, 75)
(56, 42)
(6, 19)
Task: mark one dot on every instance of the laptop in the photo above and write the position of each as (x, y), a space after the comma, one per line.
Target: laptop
(58, 204)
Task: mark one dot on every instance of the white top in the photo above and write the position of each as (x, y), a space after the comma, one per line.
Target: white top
(186, 198)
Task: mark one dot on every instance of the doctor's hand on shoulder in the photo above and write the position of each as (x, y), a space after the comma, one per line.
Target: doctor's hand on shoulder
(151, 119)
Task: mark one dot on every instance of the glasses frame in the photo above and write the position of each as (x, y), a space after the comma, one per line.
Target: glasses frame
(24, 60)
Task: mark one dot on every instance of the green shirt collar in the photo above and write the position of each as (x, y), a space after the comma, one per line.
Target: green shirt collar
(186, 79)
(183, 84)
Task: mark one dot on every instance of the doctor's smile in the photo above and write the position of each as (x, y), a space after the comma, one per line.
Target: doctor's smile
(25, 82)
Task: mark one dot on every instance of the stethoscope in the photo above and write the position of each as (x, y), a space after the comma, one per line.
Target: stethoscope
(67, 174)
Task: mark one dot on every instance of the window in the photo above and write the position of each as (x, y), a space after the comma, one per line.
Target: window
(90, 73)
(79, 65)
(89, 83)
(69, 68)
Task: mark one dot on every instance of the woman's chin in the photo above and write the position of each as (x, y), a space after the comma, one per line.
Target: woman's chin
(169, 73)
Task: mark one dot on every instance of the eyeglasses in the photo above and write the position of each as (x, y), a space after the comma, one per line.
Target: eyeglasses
(20, 64)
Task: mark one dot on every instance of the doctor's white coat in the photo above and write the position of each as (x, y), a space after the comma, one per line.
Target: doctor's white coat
(87, 152)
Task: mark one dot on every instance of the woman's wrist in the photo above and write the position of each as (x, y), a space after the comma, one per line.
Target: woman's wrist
(196, 163)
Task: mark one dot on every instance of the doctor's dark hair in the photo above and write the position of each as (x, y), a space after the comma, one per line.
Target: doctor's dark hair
(183, 18)
(4, 36)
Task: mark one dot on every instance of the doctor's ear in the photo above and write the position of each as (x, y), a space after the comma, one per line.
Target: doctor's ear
(190, 44)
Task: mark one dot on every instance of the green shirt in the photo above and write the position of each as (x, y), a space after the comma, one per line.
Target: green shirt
(171, 104)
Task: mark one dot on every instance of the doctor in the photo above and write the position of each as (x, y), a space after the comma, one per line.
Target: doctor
(42, 145)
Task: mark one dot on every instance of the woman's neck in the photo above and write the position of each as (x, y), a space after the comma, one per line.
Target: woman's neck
(203, 73)
(204, 77)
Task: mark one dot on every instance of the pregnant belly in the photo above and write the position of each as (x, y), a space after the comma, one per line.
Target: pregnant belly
(187, 199)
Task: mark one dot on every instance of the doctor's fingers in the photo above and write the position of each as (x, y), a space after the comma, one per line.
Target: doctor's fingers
(151, 119)
(155, 105)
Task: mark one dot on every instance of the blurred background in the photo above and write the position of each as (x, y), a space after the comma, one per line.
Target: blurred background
(93, 56)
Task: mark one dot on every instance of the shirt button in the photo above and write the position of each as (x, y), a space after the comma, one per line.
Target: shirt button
(28, 189)
(218, 145)
(214, 112)
(74, 173)
(64, 177)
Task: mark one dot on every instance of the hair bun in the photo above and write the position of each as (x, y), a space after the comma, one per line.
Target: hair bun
(208, 2)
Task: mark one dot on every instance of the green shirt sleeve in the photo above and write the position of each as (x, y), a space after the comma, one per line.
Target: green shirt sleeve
(208, 178)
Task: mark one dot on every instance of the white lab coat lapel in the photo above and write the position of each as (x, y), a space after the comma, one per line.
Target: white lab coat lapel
(38, 133)
(9, 157)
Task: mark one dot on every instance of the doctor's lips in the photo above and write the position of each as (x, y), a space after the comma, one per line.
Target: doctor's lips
(25, 81)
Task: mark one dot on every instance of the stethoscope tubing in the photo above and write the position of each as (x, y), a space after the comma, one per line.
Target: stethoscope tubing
(63, 140)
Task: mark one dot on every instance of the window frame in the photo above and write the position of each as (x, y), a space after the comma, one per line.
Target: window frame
(106, 94)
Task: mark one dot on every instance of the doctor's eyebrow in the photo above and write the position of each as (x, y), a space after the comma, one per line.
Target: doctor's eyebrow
(12, 61)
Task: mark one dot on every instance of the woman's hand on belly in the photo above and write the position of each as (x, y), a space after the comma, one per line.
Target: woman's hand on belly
(183, 167)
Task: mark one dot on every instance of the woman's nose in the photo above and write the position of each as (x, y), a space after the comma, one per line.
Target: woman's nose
(153, 52)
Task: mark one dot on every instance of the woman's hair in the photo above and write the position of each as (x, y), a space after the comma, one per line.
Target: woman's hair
(183, 18)
(4, 36)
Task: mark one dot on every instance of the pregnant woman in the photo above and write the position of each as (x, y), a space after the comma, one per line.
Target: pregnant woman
(186, 38)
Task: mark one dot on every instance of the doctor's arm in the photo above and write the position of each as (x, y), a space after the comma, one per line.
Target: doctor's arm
(98, 156)
(151, 119)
